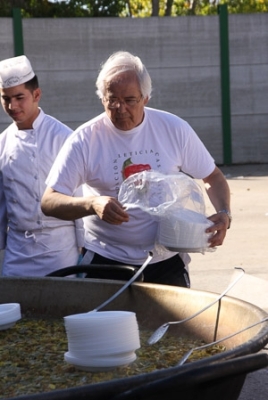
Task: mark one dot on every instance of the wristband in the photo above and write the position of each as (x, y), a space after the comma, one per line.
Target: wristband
(229, 215)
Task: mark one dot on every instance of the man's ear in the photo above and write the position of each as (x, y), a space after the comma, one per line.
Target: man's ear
(37, 94)
(145, 101)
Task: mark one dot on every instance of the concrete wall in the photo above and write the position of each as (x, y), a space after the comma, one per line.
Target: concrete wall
(183, 57)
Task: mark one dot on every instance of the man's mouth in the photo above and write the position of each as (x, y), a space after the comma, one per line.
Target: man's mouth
(14, 114)
(120, 116)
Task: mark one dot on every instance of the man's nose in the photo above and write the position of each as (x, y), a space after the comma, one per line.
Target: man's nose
(12, 104)
(121, 106)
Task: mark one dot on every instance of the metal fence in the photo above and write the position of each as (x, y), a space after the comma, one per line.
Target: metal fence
(186, 58)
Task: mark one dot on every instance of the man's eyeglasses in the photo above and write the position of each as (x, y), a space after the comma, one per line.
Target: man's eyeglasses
(128, 102)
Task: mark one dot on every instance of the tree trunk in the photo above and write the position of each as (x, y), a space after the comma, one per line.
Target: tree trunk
(129, 8)
(155, 8)
(193, 5)
(168, 8)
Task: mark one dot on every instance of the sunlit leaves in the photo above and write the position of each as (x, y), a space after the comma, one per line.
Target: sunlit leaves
(126, 8)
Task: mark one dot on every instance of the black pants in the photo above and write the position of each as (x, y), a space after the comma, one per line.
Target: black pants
(166, 272)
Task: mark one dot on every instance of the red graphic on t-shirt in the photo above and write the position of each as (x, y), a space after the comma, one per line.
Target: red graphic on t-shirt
(129, 168)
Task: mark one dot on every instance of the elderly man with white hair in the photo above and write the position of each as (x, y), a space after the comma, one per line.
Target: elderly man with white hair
(129, 137)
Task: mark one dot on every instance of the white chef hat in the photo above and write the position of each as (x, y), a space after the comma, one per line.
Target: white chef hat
(15, 71)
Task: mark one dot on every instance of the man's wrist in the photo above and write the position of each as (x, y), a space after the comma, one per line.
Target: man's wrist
(228, 213)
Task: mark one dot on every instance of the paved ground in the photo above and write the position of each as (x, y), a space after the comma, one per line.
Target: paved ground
(244, 246)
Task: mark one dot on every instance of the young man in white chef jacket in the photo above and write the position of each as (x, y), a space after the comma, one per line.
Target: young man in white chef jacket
(34, 244)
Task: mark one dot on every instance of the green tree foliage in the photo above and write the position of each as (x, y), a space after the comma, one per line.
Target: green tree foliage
(105, 8)
(61, 8)
(210, 7)
(148, 8)
(248, 6)
(126, 8)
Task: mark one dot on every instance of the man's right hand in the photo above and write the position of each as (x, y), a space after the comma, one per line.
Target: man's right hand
(109, 210)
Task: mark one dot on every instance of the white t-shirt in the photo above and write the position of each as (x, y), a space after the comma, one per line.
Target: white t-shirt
(97, 154)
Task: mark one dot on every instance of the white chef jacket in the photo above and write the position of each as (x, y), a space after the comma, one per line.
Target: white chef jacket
(34, 243)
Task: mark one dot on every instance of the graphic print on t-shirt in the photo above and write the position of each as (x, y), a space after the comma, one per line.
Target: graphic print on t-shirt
(129, 168)
(128, 163)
